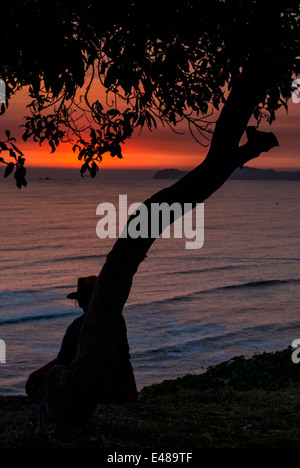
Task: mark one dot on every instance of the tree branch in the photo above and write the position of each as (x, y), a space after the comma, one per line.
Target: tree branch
(258, 142)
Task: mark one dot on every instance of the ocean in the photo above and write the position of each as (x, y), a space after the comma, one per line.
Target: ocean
(188, 309)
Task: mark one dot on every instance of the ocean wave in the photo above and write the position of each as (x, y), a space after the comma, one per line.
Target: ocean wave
(70, 259)
(255, 284)
(191, 295)
(33, 318)
(228, 339)
(25, 249)
(243, 260)
(203, 270)
(202, 343)
(61, 259)
(42, 296)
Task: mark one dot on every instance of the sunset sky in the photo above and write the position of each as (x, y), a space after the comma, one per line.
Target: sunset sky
(161, 148)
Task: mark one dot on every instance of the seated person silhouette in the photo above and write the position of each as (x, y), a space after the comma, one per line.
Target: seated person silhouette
(83, 295)
(123, 390)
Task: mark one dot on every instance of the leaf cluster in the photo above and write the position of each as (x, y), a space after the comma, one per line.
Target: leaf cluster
(172, 62)
(17, 166)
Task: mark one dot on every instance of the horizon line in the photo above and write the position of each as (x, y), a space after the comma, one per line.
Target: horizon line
(123, 169)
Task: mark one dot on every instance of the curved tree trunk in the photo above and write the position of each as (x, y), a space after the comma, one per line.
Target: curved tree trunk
(70, 394)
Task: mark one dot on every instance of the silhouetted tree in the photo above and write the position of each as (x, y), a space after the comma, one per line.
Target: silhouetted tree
(173, 62)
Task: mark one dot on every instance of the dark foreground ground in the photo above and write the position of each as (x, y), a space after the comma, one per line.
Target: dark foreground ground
(243, 403)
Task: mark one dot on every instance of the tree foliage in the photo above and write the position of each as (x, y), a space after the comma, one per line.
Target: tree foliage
(167, 62)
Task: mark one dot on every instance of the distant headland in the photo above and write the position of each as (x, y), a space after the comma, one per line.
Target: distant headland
(246, 173)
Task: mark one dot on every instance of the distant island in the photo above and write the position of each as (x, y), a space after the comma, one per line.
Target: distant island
(246, 173)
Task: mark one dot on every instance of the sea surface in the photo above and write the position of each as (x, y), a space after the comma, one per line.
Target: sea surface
(188, 309)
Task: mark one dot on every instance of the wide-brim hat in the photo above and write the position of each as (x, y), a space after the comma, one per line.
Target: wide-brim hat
(85, 288)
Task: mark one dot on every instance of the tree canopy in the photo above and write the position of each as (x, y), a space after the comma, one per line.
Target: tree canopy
(171, 62)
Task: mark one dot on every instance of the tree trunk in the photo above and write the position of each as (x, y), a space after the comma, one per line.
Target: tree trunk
(70, 394)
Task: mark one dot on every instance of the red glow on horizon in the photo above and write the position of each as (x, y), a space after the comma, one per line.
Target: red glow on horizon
(159, 149)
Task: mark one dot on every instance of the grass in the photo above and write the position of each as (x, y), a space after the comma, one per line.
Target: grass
(241, 403)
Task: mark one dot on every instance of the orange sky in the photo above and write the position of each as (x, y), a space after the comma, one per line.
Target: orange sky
(161, 148)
